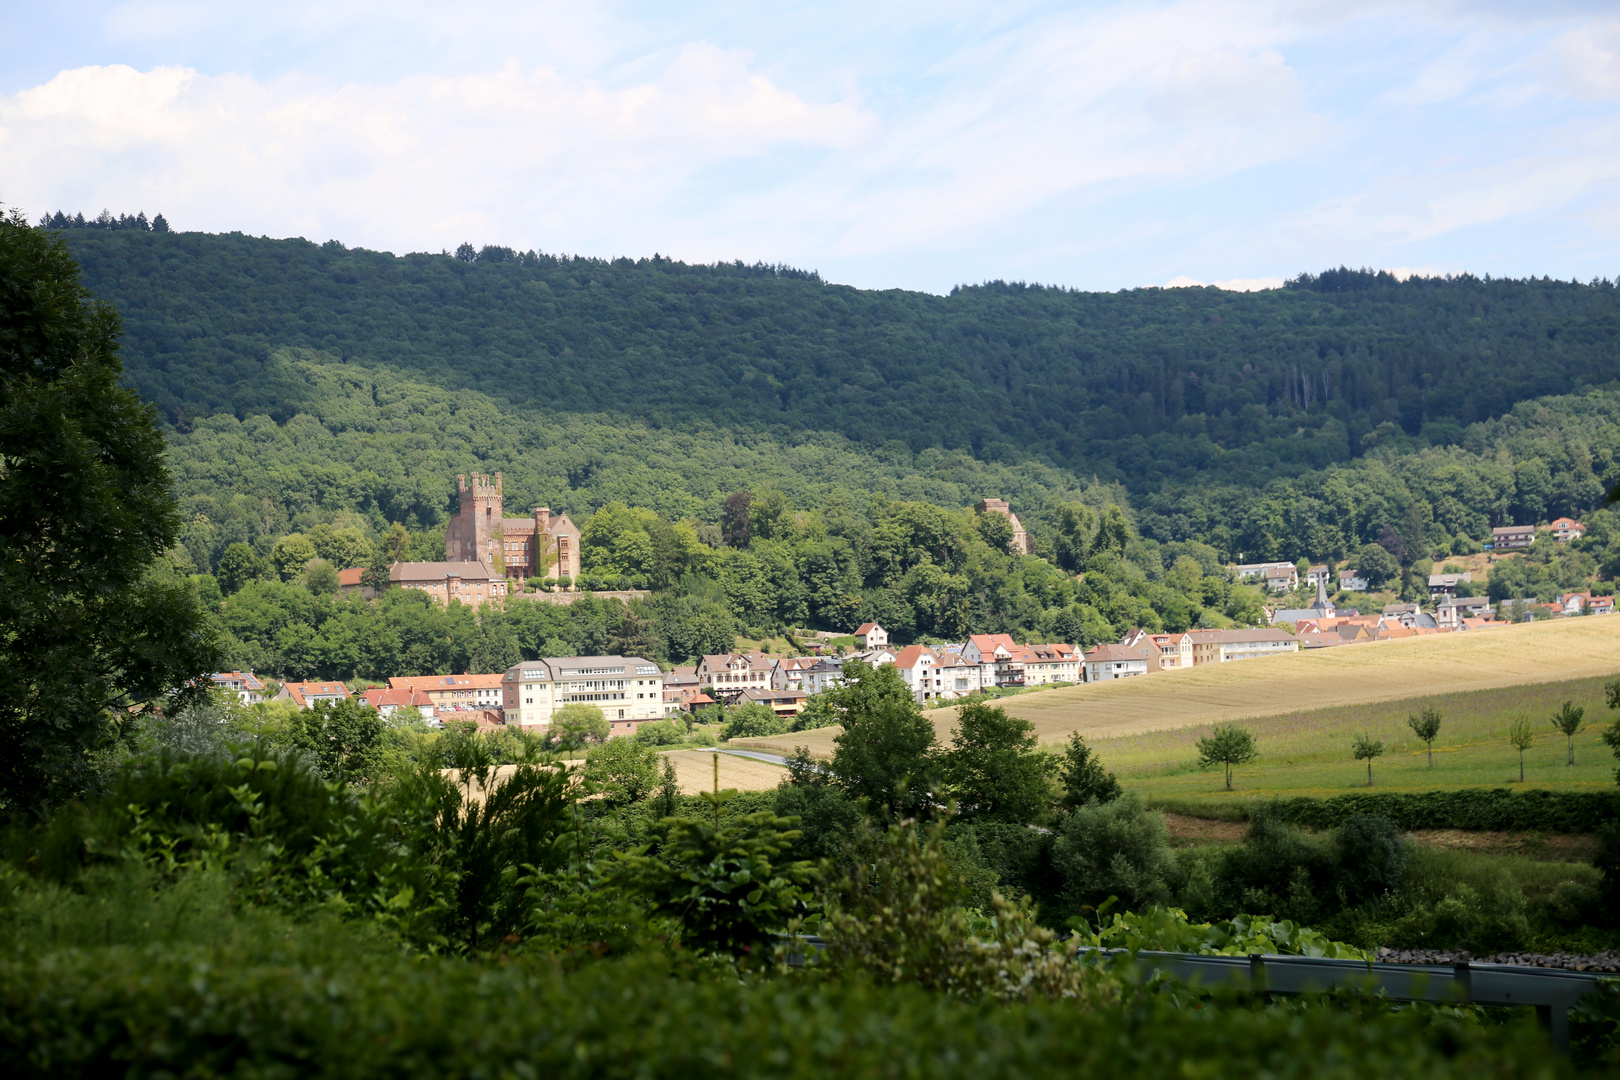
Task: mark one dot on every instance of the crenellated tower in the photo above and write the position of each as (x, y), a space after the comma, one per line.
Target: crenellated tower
(474, 534)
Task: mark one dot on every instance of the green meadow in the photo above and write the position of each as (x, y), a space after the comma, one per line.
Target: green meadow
(1308, 752)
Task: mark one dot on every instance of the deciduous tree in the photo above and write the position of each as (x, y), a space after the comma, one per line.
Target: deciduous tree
(92, 622)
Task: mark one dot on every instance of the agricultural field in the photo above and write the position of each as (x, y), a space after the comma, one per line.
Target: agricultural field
(1283, 688)
(694, 772)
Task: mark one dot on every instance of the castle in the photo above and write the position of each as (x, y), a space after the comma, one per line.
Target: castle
(542, 545)
(1020, 538)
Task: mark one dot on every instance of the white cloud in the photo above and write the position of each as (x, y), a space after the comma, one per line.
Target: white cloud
(1588, 58)
(489, 150)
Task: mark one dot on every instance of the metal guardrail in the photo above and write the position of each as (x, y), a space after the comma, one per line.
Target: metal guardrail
(1551, 991)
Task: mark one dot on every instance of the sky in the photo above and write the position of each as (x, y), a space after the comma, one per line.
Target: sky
(887, 145)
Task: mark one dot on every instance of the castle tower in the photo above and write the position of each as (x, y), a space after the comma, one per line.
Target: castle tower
(474, 534)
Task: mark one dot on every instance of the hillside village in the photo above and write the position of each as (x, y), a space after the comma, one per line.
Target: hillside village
(487, 554)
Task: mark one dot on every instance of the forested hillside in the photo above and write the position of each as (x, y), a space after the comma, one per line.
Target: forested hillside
(321, 400)
(1143, 387)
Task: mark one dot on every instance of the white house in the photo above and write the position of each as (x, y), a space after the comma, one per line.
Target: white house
(871, 636)
(1108, 662)
(244, 684)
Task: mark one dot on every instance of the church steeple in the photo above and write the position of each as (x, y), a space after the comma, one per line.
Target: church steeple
(1322, 603)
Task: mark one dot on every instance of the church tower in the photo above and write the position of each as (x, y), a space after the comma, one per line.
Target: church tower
(474, 534)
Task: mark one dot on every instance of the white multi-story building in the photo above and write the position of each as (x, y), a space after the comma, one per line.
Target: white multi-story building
(628, 690)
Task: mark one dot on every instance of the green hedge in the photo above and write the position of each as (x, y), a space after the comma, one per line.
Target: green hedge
(303, 1011)
(1480, 809)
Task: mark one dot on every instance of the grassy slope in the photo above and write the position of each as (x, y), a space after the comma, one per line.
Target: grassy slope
(1147, 724)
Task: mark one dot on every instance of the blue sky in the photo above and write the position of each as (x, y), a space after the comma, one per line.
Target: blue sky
(906, 145)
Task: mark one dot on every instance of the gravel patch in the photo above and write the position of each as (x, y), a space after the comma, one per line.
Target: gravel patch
(1603, 961)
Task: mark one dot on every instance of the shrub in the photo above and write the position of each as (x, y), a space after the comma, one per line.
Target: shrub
(720, 878)
(624, 770)
(1280, 870)
(1372, 858)
(661, 733)
(752, 721)
(1495, 809)
(1113, 849)
(895, 915)
(277, 1004)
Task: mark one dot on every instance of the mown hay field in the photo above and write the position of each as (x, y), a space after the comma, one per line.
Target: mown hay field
(694, 772)
(1306, 706)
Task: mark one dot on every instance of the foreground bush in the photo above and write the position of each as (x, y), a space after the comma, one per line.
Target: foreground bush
(288, 1007)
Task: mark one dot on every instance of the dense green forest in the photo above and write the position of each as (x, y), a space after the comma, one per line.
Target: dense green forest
(317, 397)
(1143, 386)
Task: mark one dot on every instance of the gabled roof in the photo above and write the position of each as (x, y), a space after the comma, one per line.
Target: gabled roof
(866, 628)
(248, 680)
(350, 578)
(1112, 654)
(1237, 636)
(987, 643)
(911, 656)
(379, 697)
(301, 692)
(438, 571)
(446, 682)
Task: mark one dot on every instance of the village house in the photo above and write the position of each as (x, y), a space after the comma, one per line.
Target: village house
(306, 694)
(389, 700)
(1225, 646)
(916, 665)
(1512, 537)
(682, 693)
(628, 689)
(1446, 584)
(822, 675)
(244, 685)
(727, 675)
(1352, 581)
(1276, 576)
(788, 673)
(1318, 574)
(1171, 652)
(871, 636)
(454, 693)
(1410, 616)
(1566, 529)
(1001, 654)
(784, 703)
(960, 677)
(1105, 663)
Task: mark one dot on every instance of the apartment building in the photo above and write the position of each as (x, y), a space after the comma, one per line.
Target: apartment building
(628, 690)
(1048, 664)
(1225, 646)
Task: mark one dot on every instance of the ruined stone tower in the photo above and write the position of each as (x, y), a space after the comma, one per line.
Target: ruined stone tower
(474, 534)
